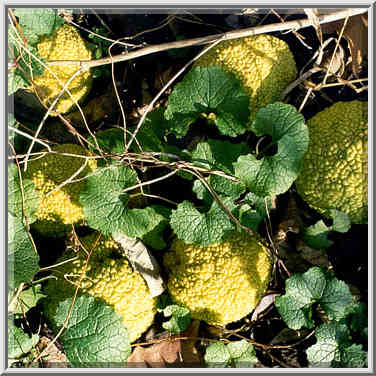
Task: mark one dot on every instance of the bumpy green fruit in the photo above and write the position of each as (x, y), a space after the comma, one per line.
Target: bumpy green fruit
(222, 282)
(335, 167)
(109, 277)
(64, 44)
(59, 205)
(263, 63)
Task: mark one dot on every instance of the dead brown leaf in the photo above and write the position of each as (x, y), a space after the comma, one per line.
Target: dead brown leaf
(143, 261)
(54, 357)
(356, 34)
(172, 352)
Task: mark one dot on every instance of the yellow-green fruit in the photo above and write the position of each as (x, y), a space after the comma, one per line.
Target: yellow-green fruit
(219, 283)
(263, 63)
(109, 277)
(51, 174)
(335, 167)
(64, 44)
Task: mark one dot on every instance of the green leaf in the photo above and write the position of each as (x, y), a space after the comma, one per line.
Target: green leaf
(221, 185)
(242, 353)
(273, 175)
(253, 211)
(16, 202)
(218, 156)
(16, 81)
(316, 236)
(341, 221)
(110, 141)
(194, 227)
(164, 301)
(154, 238)
(209, 90)
(259, 203)
(24, 60)
(238, 348)
(353, 357)
(294, 313)
(22, 259)
(36, 22)
(19, 342)
(335, 299)
(314, 286)
(94, 336)
(105, 204)
(326, 350)
(249, 217)
(217, 355)
(150, 136)
(333, 348)
(180, 318)
(27, 299)
(357, 318)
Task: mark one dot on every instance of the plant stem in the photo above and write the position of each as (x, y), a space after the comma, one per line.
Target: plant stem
(291, 25)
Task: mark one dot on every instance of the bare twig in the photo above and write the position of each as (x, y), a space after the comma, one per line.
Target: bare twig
(275, 255)
(101, 20)
(309, 91)
(257, 344)
(30, 137)
(313, 16)
(117, 96)
(299, 37)
(64, 325)
(58, 264)
(169, 18)
(151, 104)
(318, 66)
(65, 87)
(173, 339)
(299, 80)
(161, 198)
(344, 82)
(70, 179)
(290, 25)
(149, 182)
(334, 52)
(280, 362)
(43, 279)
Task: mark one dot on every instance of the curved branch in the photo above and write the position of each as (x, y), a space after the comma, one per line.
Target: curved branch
(291, 25)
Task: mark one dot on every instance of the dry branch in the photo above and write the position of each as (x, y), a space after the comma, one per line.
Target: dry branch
(291, 25)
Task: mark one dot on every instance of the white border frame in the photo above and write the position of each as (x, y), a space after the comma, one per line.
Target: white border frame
(192, 4)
